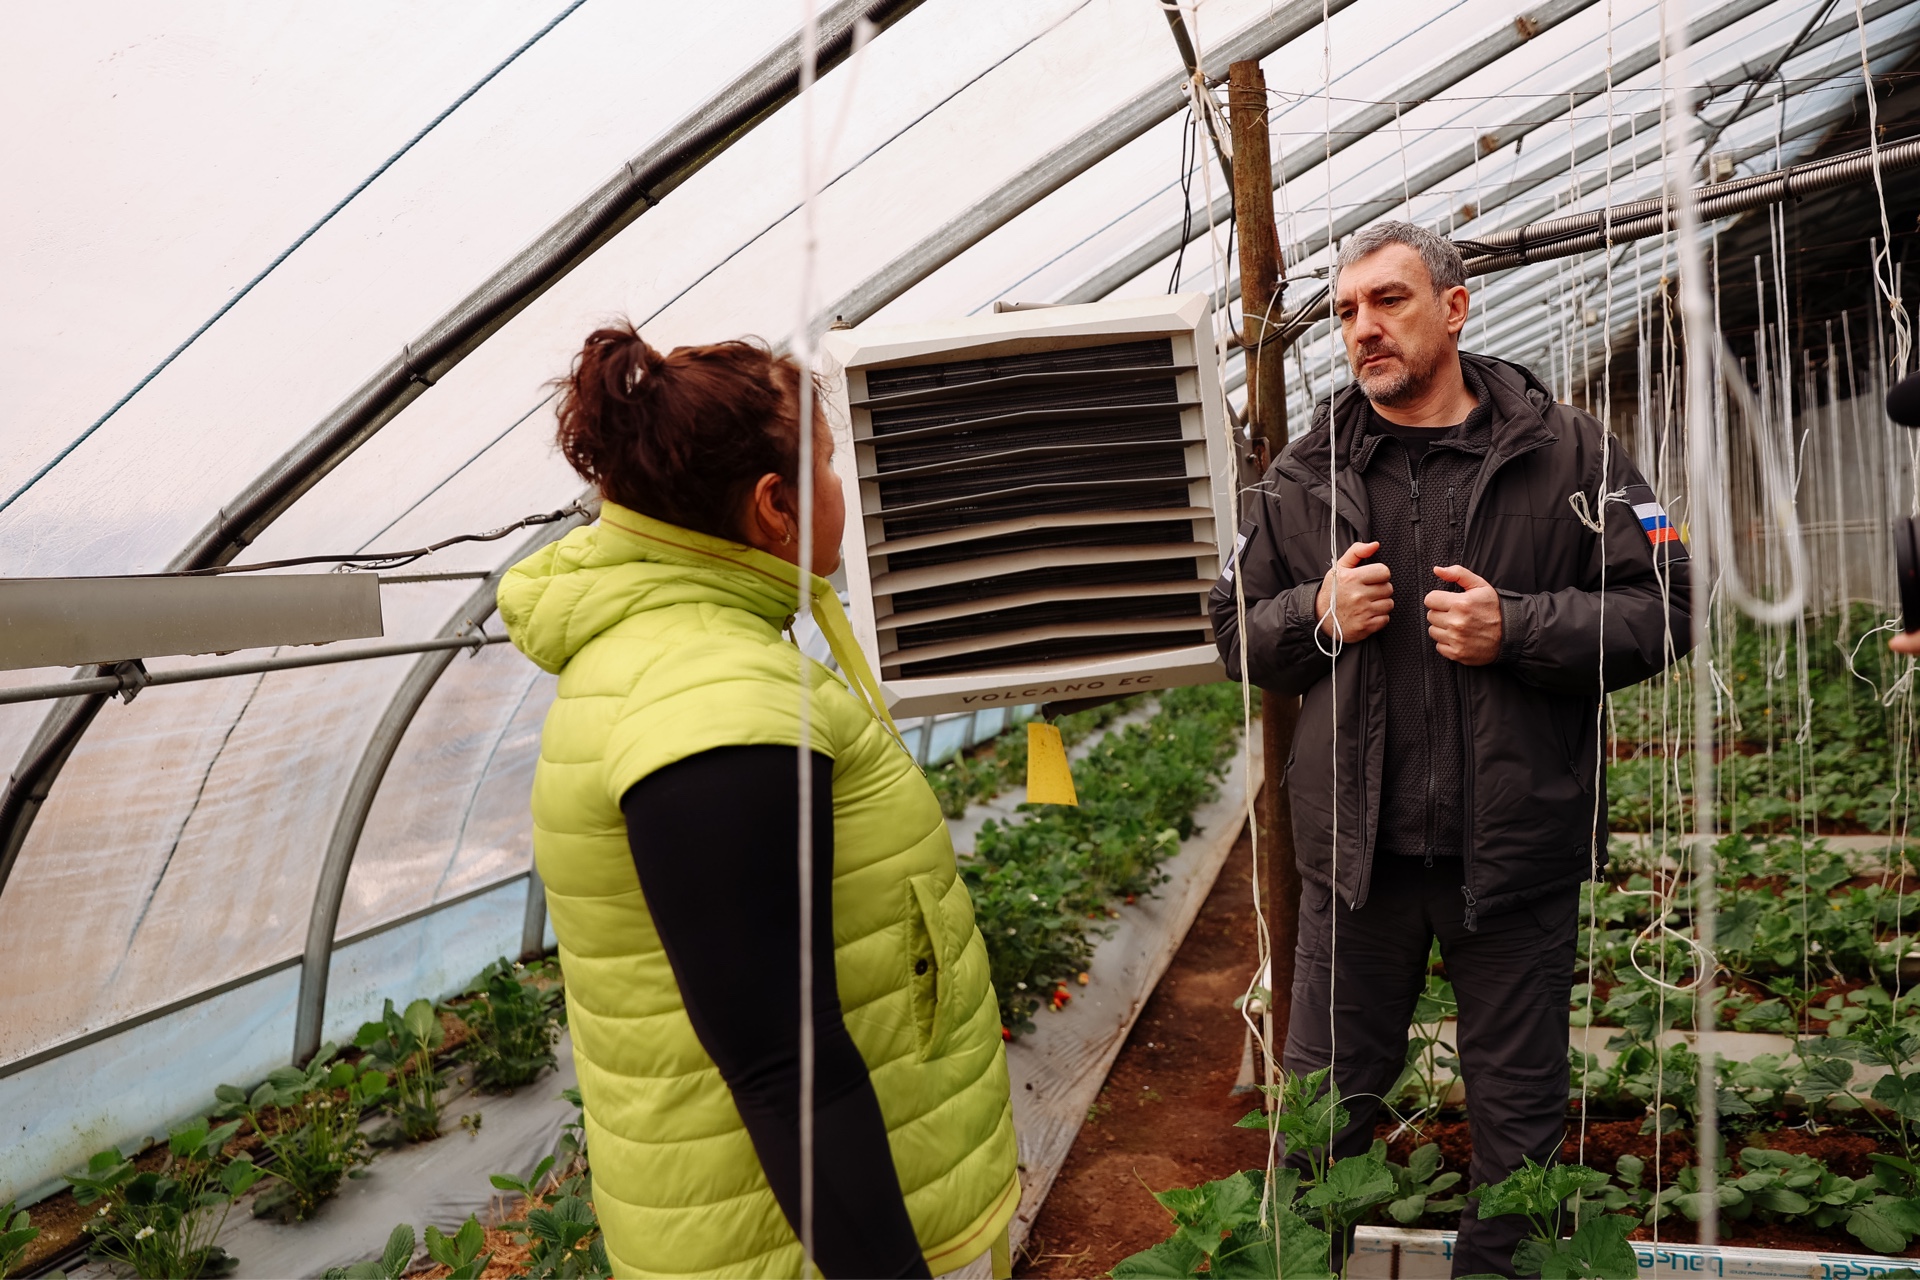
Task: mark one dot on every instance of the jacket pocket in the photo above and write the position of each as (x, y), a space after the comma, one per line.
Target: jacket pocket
(931, 956)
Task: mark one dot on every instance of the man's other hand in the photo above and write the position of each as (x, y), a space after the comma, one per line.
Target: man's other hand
(1365, 596)
(1464, 624)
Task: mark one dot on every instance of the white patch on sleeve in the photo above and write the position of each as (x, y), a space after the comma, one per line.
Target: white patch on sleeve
(1233, 560)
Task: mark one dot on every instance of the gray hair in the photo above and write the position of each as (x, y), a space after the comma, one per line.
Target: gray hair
(1444, 264)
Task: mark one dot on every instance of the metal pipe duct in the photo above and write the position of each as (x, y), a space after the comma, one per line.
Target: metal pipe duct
(1563, 237)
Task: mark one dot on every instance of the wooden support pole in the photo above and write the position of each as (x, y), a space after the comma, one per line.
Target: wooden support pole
(1260, 286)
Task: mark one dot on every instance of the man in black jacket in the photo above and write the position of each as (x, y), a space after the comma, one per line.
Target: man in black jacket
(1450, 568)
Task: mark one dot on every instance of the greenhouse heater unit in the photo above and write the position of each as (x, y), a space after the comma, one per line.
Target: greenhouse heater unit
(1042, 502)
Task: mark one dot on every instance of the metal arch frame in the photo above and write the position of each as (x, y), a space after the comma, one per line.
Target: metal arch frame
(1517, 290)
(1890, 43)
(1478, 55)
(1066, 162)
(1109, 278)
(643, 182)
(351, 819)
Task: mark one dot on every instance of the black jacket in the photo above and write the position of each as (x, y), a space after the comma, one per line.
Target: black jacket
(1530, 720)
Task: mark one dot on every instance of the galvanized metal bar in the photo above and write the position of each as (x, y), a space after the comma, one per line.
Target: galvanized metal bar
(112, 685)
(1477, 56)
(643, 182)
(1183, 41)
(533, 925)
(357, 803)
(1064, 163)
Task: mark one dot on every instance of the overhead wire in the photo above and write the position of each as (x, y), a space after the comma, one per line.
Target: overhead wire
(286, 253)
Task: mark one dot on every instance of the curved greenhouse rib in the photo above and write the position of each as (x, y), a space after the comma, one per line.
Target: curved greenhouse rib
(1064, 163)
(1140, 259)
(642, 183)
(324, 917)
(1477, 56)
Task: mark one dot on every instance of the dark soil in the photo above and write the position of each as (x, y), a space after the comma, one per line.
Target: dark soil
(1165, 1118)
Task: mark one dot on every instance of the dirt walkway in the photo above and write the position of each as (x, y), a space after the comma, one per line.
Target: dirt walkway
(1165, 1118)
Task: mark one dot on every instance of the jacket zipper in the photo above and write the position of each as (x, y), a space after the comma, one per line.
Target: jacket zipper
(1480, 487)
(1426, 665)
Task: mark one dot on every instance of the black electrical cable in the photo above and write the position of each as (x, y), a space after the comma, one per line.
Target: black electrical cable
(1189, 146)
(394, 559)
(283, 255)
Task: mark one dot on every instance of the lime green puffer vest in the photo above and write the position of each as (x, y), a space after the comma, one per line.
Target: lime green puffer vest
(668, 643)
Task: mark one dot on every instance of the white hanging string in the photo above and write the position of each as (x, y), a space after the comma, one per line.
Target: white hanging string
(1885, 278)
(1710, 550)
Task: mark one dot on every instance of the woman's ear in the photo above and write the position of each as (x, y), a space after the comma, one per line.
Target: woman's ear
(769, 525)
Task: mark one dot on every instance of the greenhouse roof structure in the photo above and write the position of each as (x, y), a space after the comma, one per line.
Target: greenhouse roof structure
(291, 281)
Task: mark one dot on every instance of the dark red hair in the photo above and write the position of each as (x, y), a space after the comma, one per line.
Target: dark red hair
(681, 437)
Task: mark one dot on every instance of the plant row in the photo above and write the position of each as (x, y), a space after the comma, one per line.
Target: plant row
(1578, 1219)
(305, 1129)
(1045, 888)
(1834, 752)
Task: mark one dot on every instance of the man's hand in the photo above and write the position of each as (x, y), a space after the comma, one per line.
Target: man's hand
(1464, 624)
(1365, 595)
(1905, 642)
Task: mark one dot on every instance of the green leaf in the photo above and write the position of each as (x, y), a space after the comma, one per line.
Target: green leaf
(1352, 1183)
(1899, 1094)
(421, 1021)
(1424, 1162)
(1169, 1260)
(1884, 1224)
(1598, 1250)
(398, 1252)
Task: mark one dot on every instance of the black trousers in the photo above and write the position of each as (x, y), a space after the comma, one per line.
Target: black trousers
(1357, 975)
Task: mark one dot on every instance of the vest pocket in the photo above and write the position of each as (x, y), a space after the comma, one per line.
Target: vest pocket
(930, 955)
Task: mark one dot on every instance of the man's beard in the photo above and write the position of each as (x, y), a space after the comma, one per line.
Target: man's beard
(1402, 387)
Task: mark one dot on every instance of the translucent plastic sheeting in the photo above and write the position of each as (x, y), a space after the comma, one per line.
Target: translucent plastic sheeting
(126, 1087)
(452, 813)
(180, 848)
(1510, 319)
(173, 152)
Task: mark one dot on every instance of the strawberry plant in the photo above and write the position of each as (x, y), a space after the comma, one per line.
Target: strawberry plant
(1043, 888)
(163, 1222)
(512, 1023)
(560, 1227)
(309, 1118)
(403, 1045)
(16, 1233)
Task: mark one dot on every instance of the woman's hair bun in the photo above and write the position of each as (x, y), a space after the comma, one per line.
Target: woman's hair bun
(682, 436)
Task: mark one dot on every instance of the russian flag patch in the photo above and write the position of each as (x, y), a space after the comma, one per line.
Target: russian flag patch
(1653, 518)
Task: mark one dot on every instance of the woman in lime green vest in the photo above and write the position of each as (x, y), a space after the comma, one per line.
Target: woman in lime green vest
(666, 810)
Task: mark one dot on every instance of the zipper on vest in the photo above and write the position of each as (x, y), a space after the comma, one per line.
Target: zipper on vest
(1473, 909)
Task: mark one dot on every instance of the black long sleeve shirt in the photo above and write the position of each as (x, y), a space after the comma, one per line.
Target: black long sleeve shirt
(715, 840)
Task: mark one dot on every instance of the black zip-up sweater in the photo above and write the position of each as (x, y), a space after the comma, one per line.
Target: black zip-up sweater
(1418, 495)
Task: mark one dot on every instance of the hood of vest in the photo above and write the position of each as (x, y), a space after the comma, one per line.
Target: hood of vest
(563, 595)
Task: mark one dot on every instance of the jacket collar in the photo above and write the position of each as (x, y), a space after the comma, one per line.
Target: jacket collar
(1516, 409)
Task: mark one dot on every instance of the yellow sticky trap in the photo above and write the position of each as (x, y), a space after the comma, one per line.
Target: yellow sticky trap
(1049, 780)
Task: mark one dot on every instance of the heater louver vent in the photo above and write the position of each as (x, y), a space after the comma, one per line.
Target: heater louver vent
(1036, 499)
(965, 448)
